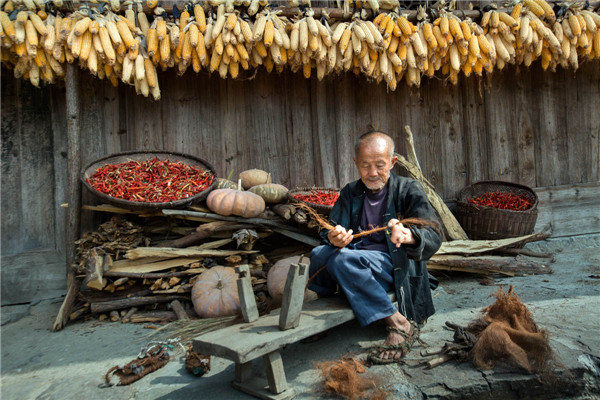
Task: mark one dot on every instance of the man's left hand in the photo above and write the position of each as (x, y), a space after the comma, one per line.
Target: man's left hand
(400, 234)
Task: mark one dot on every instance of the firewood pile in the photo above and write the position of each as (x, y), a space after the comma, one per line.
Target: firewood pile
(136, 273)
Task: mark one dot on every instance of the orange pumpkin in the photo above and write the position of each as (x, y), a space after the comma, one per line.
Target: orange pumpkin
(215, 293)
(236, 202)
(277, 277)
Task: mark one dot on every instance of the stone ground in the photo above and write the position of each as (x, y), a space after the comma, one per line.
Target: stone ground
(40, 364)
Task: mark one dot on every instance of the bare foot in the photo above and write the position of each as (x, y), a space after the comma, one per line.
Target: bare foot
(398, 321)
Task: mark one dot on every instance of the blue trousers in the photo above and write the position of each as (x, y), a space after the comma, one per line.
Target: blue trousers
(365, 277)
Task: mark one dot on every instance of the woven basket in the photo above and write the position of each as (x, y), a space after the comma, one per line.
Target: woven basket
(320, 208)
(142, 156)
(481, 222)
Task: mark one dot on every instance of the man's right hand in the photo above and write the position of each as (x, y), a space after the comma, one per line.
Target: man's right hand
(339, 237)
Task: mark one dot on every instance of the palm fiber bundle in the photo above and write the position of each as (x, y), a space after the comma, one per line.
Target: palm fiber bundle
(345, 378)
(508, 332)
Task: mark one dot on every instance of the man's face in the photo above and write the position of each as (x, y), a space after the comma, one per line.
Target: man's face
(374, 164)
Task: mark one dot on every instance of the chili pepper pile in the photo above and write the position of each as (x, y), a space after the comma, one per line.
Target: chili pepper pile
(151, 181)
(503, 201)
(322, 197)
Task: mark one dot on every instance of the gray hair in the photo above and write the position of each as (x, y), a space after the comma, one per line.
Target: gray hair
(372, 136)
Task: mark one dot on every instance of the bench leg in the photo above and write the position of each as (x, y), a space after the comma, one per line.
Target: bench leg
(275, 372)
(277, 388)
(243, 372)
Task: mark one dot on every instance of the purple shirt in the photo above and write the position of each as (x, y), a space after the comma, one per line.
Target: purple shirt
(372, 217)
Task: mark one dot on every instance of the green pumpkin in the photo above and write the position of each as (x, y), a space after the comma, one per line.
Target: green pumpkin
(225, 184)
(271, 192)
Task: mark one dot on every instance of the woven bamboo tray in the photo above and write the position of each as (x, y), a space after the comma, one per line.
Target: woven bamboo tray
(482, 223)
(143, 156)
(320, 208)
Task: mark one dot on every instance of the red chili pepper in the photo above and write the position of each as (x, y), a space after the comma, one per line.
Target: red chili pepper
(323, 197)
(151, 181)
(502, 200)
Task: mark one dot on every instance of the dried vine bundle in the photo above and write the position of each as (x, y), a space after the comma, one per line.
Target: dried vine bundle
(323, 223)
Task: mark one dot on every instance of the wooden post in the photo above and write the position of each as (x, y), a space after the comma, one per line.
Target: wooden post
(73, 223)
(247, 301)
(293, 296)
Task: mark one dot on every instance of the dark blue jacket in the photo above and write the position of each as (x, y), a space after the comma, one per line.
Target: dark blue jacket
(406, 199)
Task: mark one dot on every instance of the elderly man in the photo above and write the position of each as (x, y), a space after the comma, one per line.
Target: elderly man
(367, 269)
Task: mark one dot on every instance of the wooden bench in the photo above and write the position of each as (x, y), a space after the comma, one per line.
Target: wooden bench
(245, 342)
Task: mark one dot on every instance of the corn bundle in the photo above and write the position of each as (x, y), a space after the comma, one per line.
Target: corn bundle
(240, 35)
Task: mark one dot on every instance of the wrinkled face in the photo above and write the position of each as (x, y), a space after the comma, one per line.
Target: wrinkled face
(374, 164)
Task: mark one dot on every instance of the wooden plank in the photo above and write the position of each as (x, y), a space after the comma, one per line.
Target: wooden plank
(324, 138)
(301, 158)
(59, 137)
(570, 209)
(550, 137)
(474, 130)
(482, 246)
(37, 176)
(500, 155)
(454, 174)
(244, 342)
(293, 296)
(582, 134)
(521, 125)
(246, 294)
(140, 252)
(150, 266)
(11, 205)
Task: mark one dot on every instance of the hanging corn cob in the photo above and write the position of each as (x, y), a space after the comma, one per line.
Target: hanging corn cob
(390, 48)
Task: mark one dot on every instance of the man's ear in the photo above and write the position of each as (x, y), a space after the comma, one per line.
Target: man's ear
(394, 160)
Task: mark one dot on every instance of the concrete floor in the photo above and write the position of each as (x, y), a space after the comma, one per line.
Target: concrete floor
(40, 364)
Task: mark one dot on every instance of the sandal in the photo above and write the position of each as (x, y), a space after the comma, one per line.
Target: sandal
(404, 347)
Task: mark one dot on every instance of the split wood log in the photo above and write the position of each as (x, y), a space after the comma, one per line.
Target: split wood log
(179, 310)
(169, 252)
(487, 264)
(523, 252)
(127, 316)
(105, 306)
(275, 222)
(114, 316)
(277, 226)
(152, 275)
(300, 217)
(151, 266)
(94, 269)
(204, 231)
(154, 316)
(285, 211)
(73, 222)
(468, 247)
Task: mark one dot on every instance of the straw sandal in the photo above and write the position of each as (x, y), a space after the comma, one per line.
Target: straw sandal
(404, 347)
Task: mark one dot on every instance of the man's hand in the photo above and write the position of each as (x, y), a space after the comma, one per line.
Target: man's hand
(400, 234)
(339, 237)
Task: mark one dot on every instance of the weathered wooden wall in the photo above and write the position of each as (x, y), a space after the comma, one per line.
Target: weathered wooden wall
(538, 128)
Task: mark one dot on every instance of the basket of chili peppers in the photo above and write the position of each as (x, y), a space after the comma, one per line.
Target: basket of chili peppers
(150, 180)
(319, 198)
(497, 210)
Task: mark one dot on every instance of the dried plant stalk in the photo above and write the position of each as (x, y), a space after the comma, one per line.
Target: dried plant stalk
(323, 223)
